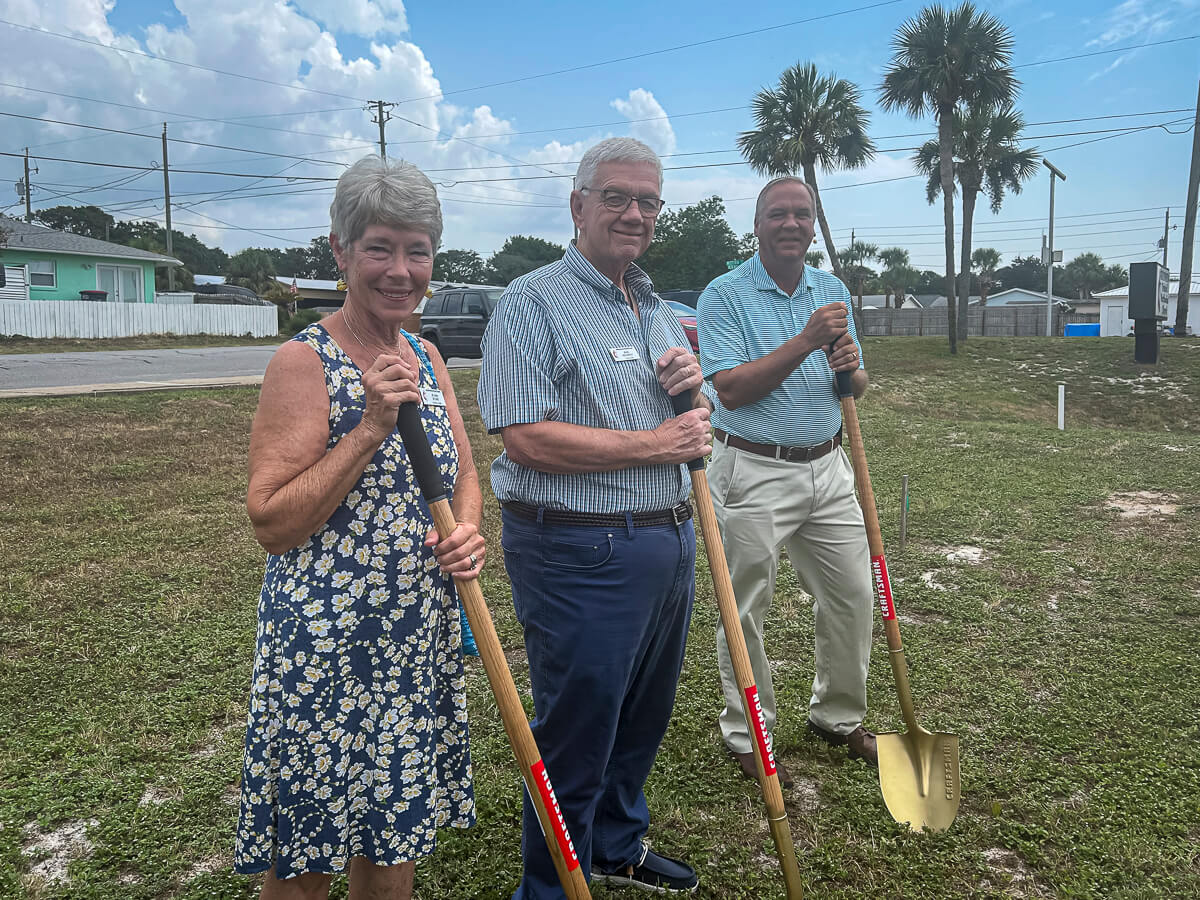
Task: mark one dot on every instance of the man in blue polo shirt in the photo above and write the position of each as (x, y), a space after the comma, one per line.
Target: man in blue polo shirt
(772, 333)
(578, 360)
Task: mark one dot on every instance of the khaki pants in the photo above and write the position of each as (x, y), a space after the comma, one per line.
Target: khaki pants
(762, 506)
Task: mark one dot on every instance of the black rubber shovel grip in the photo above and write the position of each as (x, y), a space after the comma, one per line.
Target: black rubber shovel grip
(843, 384)
(681, 403)
(420, 454)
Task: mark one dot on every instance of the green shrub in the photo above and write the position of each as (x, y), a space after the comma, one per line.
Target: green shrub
(301, 320)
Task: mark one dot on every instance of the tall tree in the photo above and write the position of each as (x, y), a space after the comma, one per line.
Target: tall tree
(691, 246)
(987, 156)
(1087, 274)
(319, 259)
(814, 258)
(520, 254)
(806, 121)
(944, 58)
(88, 221)
(984, 261)
(252, 268)
(896, 272)
(465, 266)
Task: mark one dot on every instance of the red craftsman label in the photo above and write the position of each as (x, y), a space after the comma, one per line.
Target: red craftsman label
(550, 802)
(760, 729)
(883, 587)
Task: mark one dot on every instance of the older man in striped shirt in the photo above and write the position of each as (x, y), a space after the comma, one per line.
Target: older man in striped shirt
(578, 361)
(772, 333)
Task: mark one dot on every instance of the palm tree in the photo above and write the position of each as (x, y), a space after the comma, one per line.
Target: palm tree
(944, 58)
(987, 156)
(895, 261)
(853, 260)
(814, 258)
(809, 120)
(985, 261)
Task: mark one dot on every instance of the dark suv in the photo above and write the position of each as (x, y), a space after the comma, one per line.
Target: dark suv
(454, 318)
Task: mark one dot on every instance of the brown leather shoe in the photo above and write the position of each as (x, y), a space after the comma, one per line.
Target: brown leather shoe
(860, 742)
(750, 770)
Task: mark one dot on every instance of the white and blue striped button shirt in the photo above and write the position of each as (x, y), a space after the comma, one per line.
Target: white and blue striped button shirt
(556, 350)
(742, 316)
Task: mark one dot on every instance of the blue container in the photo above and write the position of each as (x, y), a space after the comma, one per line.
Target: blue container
(1082, 329)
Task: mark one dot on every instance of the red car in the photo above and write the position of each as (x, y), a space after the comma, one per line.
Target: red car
(687, 318)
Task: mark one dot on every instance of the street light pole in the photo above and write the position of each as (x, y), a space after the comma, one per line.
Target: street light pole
(1054, 173)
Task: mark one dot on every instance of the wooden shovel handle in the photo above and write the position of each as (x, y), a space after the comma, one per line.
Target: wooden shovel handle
(554, 827)
(764, 759)
(879, 572)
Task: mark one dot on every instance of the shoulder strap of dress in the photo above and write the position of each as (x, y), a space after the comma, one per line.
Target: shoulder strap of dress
(419, 349)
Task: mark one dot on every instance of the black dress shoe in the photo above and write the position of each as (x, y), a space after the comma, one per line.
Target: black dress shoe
(750, 770)
(860, 742)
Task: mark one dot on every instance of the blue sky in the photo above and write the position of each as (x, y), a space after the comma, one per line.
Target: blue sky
(690, 104)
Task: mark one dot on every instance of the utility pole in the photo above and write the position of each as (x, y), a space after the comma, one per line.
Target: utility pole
(28, 190)
(381, 118)
(1166, 228)
(167, 206)
(1054, 175)
(1189, 232)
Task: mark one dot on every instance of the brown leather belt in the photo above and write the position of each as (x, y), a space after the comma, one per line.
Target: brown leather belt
(788, 454)
(674, 516)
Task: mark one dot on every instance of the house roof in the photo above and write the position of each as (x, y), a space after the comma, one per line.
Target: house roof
(27, 236)
(1123, 291)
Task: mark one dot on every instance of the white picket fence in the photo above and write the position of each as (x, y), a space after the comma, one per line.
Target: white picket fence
(89, 319)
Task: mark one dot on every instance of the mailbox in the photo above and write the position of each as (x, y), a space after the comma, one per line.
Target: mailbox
(1149, 288)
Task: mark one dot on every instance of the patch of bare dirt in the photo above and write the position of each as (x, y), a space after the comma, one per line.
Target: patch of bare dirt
(805, 795)
(1013, 877)
(56, 850)
(1140, 504)
(929, 579)
(967, 553)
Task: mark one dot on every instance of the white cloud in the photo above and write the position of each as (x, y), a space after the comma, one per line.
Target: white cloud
(657, 133)
(364, 17)
(1135, 19)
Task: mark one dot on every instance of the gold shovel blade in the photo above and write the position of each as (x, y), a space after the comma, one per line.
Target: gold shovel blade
(918, 775)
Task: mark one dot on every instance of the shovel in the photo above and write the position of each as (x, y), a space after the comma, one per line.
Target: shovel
(537, 781)
(918, 770)
(764, 759)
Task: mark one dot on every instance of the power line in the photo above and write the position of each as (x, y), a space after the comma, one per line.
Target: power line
(1190, 37)
(177, 62)
(326, 162)
(648, 53)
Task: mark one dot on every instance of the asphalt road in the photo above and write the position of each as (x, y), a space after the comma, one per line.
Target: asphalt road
(56, 374)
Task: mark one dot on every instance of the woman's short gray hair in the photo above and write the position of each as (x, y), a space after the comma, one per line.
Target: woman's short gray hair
(622, 149)
(377, 191)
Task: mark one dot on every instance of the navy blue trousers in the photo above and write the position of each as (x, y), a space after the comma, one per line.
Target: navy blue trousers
(605, 613)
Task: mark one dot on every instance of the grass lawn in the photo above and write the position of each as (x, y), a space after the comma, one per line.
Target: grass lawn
(10, 345)
(1054, 633)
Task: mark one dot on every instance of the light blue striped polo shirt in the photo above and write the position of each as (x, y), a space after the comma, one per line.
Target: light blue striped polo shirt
(554, 350)
(742, 316)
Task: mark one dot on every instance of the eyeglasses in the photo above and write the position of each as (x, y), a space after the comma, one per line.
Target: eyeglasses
(618, 202)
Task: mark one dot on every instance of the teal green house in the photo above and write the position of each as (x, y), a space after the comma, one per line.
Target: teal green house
(43, 264)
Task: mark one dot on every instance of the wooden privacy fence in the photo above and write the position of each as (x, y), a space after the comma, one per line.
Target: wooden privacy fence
(88, 319)
(999, 321)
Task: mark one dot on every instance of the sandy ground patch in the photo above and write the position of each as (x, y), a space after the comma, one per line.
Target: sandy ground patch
(967, 553)
(1138, 504)
(56, 850)
(1013, 877)
(209, 866)
(929, 579)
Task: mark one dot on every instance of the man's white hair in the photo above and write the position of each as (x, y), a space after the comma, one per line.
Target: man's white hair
(622, 149)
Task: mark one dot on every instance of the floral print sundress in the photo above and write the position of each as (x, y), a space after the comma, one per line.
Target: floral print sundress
(356, 738)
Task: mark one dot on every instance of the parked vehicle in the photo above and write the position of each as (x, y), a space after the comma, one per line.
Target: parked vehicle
(687, 298)
(687, 318)
(454, 318)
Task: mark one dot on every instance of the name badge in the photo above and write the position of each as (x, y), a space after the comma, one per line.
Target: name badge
(623, 354)
(432, 397)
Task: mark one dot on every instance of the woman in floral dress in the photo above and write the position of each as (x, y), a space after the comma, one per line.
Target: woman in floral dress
(356, 741)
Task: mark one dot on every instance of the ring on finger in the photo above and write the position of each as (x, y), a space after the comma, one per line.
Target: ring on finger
(474, 561)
